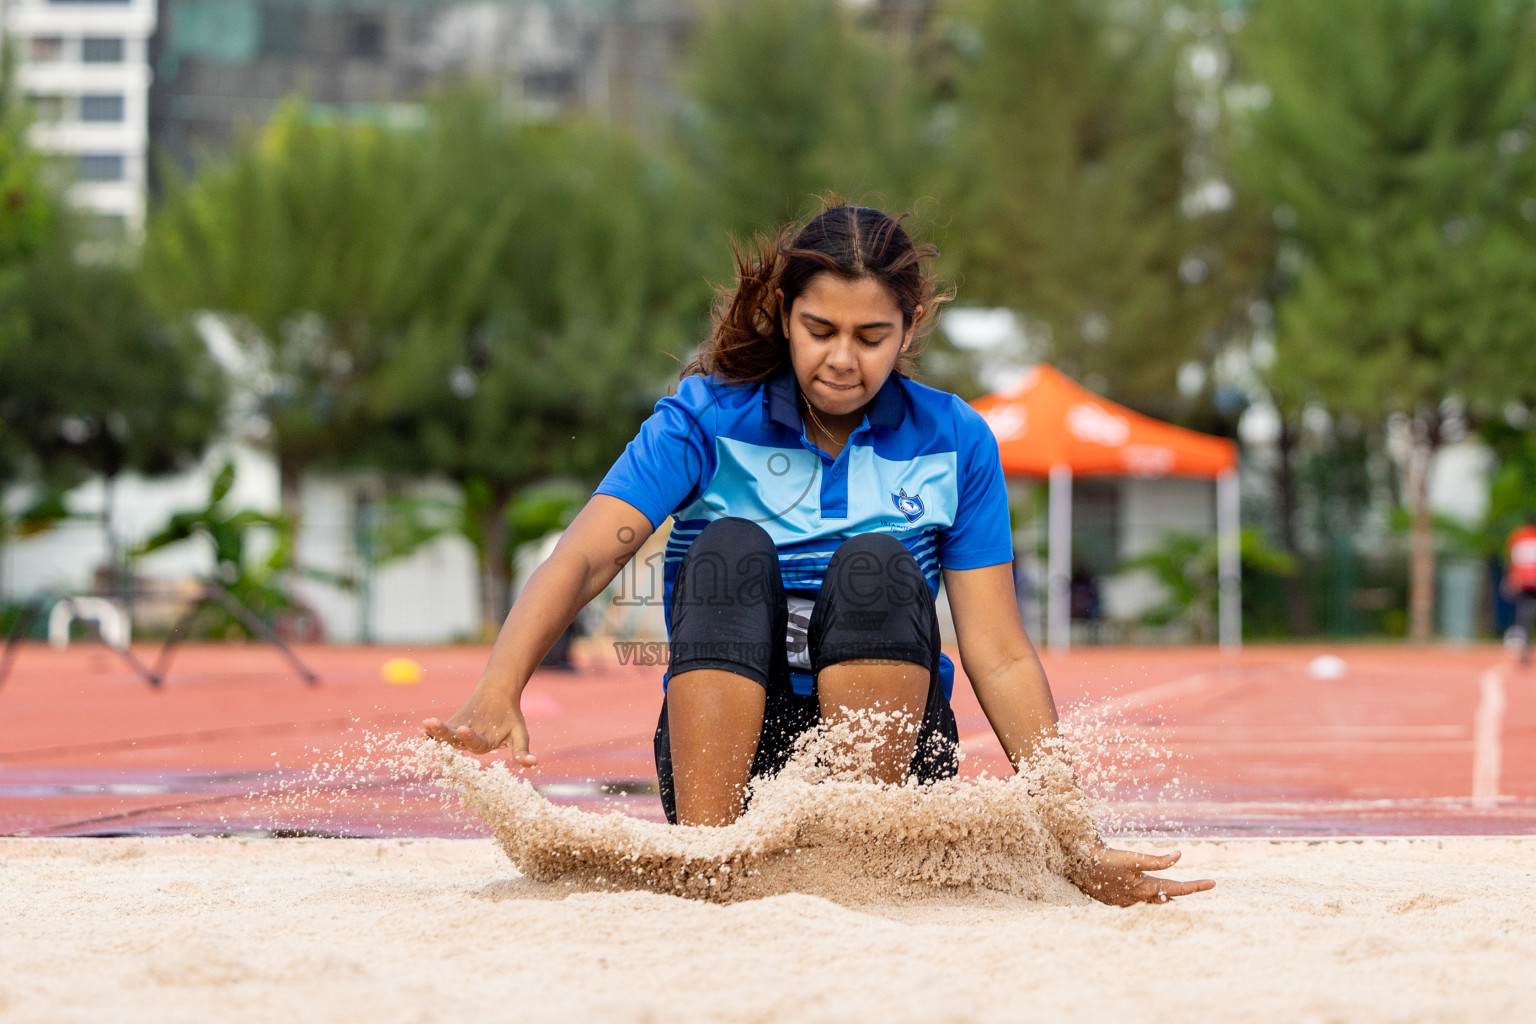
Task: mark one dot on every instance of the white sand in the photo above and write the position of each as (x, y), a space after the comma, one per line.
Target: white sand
(362, 930)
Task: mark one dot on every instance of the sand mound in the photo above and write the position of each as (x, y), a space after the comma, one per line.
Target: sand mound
(817, 827)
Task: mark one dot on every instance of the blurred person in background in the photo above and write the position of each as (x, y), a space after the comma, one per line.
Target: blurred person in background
(817, 493)
(1520, 587)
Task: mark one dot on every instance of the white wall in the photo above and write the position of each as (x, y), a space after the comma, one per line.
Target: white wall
(1458, 481)
(429, 597)
(67, 556)
(1149, 511)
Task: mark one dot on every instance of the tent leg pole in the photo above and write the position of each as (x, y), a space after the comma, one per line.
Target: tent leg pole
(1229, 562)
(1059, 558)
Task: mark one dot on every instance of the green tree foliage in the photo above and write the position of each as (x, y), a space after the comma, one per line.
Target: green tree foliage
(1512, 491)
(91, 382)
(317, 243)
(101, 385)
(480, 298)
(1185, 565)
(1397, 148)
(1066, 181)
(547, 369)
(791, 99)
(27, 219)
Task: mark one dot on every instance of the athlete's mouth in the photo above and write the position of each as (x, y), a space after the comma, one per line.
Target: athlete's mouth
(838, 387)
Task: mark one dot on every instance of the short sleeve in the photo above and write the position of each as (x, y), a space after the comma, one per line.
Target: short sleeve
(666, 464)
(981, 534)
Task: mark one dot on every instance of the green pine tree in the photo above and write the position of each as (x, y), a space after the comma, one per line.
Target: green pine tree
(1397, 152)
(793, 99)
(1067, 183)
(493, 301)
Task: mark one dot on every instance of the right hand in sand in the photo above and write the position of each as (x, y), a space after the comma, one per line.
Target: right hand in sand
(482, 725)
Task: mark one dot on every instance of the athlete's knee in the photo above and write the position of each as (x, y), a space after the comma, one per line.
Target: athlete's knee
(874, 604)
(875, 570)
(731, 561)
(732, 536)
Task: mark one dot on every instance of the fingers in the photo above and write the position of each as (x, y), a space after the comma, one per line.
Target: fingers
(467, 739)
(1126, 860)
(1161, 890)
(463, 737)
(1123, 878)
(435, 729)
(518, 744)
(472, 741)
(1155, 861)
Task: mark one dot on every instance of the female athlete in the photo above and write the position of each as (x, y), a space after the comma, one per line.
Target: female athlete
(817, 495)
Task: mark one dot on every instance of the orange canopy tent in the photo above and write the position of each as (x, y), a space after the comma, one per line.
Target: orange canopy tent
(1048, 425)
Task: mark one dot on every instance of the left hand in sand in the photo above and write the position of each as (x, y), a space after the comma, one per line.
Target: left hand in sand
(1119, 878)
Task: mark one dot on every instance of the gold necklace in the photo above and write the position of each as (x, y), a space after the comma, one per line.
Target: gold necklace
(820, 425)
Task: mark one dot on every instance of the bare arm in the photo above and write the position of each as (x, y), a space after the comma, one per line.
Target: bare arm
(603, 537)
(1011, 687)
(999, 660)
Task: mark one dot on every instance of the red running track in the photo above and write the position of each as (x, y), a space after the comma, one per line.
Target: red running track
(1410, 741)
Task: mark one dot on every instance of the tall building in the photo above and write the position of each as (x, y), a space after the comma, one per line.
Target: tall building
(84, 65)
(222, 66)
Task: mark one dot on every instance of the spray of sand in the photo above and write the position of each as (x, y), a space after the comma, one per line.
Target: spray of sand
(818, 827)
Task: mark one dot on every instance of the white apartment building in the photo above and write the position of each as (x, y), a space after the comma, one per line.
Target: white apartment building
(84, 64)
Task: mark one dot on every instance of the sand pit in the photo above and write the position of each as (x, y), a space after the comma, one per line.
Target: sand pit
(416, 930)
(843, 902)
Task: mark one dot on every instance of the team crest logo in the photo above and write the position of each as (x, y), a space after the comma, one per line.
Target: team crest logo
(909, 505)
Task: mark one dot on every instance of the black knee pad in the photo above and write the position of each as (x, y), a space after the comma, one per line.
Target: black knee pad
(874, 603)
(728, 609)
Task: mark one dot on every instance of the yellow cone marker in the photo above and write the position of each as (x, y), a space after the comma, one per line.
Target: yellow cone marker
(401, 672)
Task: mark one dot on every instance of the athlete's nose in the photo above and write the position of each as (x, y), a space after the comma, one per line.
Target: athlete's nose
(844, 358)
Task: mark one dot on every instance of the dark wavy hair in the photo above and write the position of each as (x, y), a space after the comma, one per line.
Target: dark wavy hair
(749, 339)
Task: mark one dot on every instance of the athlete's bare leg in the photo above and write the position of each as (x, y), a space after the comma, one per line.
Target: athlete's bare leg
(868, 685)
(714, 719)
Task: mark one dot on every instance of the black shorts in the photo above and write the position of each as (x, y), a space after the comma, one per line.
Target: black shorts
(729, 612)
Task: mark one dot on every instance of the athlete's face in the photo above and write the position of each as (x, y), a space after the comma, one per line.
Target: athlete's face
(844, 337)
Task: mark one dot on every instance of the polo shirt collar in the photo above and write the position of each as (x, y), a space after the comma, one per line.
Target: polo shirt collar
(781, 405)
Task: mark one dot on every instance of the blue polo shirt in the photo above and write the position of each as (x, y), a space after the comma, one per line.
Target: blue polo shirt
(923, 466)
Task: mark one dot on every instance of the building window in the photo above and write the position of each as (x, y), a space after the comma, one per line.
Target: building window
(107, 107)
(219, 31)
(102, 167)
(551, 85)
(47, 49)
(47, 108)
(284, 27)
(365, 38)
(101, 49)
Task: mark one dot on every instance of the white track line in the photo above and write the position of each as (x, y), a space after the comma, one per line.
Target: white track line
(1488, 737)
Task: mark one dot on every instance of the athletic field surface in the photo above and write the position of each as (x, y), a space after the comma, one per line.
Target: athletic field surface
(1272, 741)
